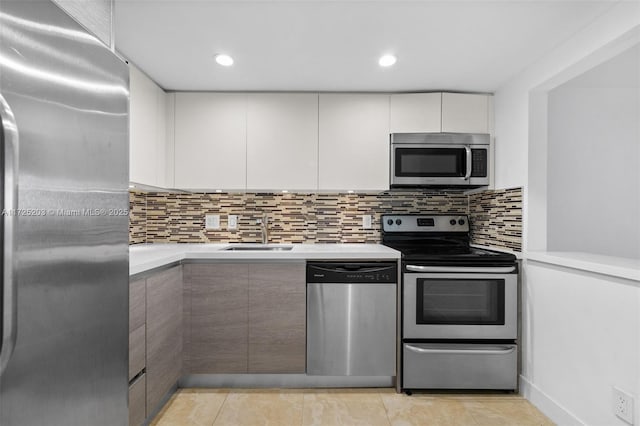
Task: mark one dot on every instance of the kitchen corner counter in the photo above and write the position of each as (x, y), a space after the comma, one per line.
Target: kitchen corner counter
(146, 257)
(607, 265)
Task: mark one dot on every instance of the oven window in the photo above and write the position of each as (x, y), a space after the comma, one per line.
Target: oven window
(460, 301)
(430, 162)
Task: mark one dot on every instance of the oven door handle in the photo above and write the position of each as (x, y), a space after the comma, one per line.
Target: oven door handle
(495, 350)
(467, 269)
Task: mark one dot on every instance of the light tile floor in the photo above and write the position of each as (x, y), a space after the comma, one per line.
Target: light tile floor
(348, 407)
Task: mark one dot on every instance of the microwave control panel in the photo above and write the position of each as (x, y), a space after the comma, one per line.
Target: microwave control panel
(479, 162)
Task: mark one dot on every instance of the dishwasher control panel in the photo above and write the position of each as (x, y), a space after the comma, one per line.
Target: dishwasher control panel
(352, 272)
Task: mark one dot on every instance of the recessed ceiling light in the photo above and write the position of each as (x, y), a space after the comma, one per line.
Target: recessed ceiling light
(224, 60)
(387, 60)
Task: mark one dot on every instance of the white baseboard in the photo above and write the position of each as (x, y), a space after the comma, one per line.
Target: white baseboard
(549, 407)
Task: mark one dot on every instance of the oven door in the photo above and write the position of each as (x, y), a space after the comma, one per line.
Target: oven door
(413, 164)
(478, 304)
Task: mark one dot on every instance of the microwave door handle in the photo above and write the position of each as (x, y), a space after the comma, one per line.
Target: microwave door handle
(467, 175)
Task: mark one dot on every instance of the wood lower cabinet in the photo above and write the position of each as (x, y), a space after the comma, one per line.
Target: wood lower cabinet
(137, 401)
(246, 318)
(137, 304)
(164, 334)
(277, 318)
(137, 332)
(218, 340)
(213, 318)
(137, 352)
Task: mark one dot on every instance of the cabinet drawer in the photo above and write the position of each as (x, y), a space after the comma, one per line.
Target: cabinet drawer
(137, 352)
(137, 401)
(459, 366)
(137, 304)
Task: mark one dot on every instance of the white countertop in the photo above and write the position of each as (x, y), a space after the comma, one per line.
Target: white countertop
(144, 257)
(608, 265)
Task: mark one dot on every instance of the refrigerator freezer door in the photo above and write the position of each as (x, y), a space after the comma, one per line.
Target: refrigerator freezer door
(69, 96)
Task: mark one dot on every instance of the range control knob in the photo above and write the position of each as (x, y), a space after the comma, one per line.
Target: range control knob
(389, 221)
(452, 222)
(398, 222)
(461, 222)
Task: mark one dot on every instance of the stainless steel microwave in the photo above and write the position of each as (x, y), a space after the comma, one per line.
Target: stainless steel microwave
(439, 160)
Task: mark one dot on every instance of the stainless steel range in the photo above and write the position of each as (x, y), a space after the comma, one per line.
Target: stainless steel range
(459, 306)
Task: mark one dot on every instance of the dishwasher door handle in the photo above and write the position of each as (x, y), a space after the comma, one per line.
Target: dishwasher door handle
(351, 268)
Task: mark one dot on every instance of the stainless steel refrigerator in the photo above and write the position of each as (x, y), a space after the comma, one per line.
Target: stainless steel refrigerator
(64, 153)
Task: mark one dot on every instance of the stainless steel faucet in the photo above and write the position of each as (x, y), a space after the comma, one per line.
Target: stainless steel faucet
(264, 228)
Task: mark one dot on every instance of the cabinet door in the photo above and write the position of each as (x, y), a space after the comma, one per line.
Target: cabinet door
(147, 126)
(465, 113)
(137, 332)
(137, 408)
(282, 141)
(137, 348)
(164, 334)
(210, 141)
(218, 342)
(277, 318)
(416, 112)
(137, 304)
(354, 142)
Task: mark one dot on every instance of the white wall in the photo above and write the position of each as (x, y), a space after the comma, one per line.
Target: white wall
(581, 330)
(511, 101)
(581, 337)
(593, 160)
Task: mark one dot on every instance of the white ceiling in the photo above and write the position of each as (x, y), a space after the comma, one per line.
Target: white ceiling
(334, 45)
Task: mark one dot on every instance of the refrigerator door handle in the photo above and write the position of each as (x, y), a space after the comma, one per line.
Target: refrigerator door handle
(9, 147)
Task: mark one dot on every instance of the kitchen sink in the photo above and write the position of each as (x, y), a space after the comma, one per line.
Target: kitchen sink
(257, 248)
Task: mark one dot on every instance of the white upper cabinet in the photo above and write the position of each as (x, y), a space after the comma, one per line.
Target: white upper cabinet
(147, 126)
(210, 141)
(465, 113)
(354, 142)
(282, 141)
(416, 113)
(440, 112)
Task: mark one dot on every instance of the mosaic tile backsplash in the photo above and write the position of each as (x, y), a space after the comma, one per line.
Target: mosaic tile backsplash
(166, 217)
(496, 218)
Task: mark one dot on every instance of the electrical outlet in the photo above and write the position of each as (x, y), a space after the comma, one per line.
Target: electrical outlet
(366, 221)
(232, 221)
(623, 405)
(212, 221)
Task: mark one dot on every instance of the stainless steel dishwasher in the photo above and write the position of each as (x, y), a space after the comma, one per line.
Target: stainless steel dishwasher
(351, 318)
